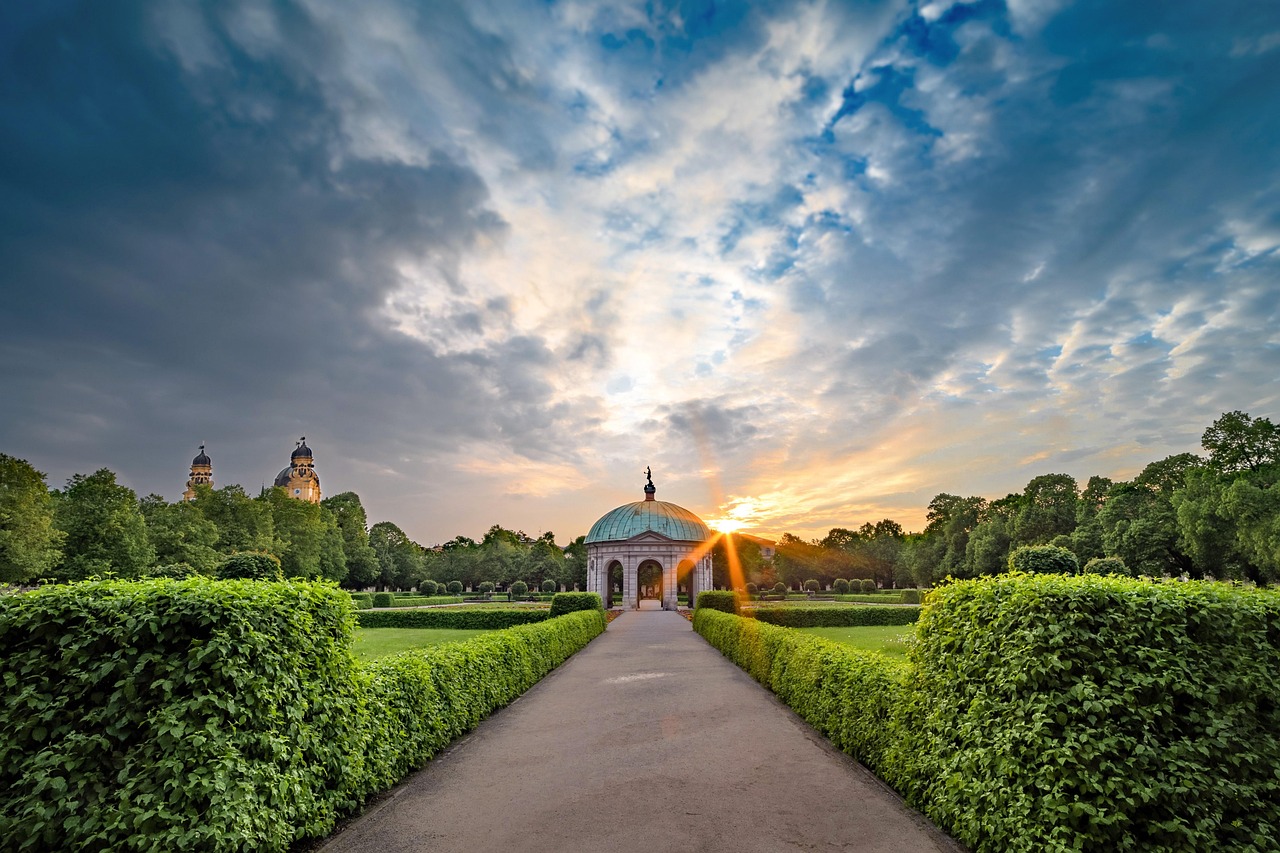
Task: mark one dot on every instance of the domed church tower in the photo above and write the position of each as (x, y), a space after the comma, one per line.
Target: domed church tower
(300, 479)
(201, 475)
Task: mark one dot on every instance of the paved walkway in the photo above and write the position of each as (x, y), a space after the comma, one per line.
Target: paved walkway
(648, 740)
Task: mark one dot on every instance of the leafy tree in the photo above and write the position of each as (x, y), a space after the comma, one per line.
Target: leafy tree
(180, 533)
(951, 520)
(1237, 442)
(1044, 560)
(1140, 524)
(105, 530)
(1086, 539)
(251, 565)
(304, 542)
(244, 524)
(361, 561)
(575, 565)
(795, 559)
(399, 557)
(1048, 509)
(30, 543)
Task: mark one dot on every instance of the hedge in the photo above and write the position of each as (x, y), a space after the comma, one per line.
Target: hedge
(895, 597)
(847, 694)
(174, 714)
(568, 602)
(1057, 713)
(482, 619)
(422, 600)
(361, 600)
(723, 600)
(225, 715)
(834, 617)
(383, 599)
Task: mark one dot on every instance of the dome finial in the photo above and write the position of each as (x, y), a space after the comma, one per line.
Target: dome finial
(649, 488)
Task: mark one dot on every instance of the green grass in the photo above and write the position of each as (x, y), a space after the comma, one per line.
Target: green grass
(888, 639)
(374, 643)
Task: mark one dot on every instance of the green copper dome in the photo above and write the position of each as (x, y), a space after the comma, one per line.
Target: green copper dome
(672, 521)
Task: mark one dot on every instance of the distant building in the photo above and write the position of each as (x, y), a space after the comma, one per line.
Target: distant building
(300, 479)
(201, 475)
(767, 546)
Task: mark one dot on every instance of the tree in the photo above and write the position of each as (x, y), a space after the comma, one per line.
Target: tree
(307, 539)
(1048, 509)
(104, 527)
(180, 533)
(796, 559)
(399, 557)
(1237, 442)
(30, 544)
(362, 562)
(1140, 524)
(575, 565)
(951, 520)
(1044, 559)
(244, 524)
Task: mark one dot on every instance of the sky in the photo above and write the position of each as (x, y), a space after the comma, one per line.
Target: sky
(812, 262)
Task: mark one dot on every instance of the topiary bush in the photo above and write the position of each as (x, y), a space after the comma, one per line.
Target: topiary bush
(519, 589)
(752, 589)
(428, 587)
(486, 587)
(383, 599)
(568, 602)
(835, 617)
(779, 588)
(840, 586)
(868, 585)
(175, 715)
(714, 599)
(1044, 560)
(911, 596)
(812, 585)
(454, 587)
(1106, 566)
(362, 600)
(251, 565)
(548, 585)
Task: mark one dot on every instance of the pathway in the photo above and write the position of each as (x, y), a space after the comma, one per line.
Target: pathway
(648, 740)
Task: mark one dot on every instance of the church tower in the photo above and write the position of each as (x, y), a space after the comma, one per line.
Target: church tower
(300, 479)
(201, 475)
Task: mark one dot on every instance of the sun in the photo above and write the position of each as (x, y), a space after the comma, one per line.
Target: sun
(726, 525)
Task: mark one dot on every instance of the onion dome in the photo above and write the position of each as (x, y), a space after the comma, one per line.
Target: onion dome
(202, 459)
(282, 479)
(302, 451)
(649, 515)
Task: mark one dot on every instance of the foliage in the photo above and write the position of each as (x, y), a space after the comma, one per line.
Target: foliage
(1044, 560)
(840, 586)
(243, 524)
(384, 599)
(911, 596)
(752, 589)
(485, 587)
(251, 566)
(400, 559)
(567, 602)
(548, 585)
(1106, 566)
(105, 531)
(812, 585)
(1096, 713)
(487, 619)
(176, 571)
(180, 533)
(780, 588)
(868, 585)
(307, 539)
(361, 600)
(1237, 442)
(721, 600)
(454, 587)
(30, 544)
(362, 563)
(519, 589)
(419, 600)
(426, 586)
(834, 617)
(174, 715)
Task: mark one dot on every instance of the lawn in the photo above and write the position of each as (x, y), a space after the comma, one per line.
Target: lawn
(889, 639)
(379, 642)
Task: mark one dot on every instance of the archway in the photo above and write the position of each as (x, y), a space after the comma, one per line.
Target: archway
(613, 583)
(648, 581)
(687, 578)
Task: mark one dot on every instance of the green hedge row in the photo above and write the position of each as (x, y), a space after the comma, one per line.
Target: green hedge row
(362, 600)
(834, 617)
(725, 601)
(847, 694)
(225, 715)
(568, 602)
(483, 619)
(422, 600)
(1055, 713)
(871, 598)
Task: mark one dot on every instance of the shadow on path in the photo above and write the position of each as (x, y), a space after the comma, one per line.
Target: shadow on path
(647, 740)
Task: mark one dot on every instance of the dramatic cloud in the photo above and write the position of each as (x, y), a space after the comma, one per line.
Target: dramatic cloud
(813, 262)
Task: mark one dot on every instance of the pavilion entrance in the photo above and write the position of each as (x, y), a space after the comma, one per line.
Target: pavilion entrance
(648, 581)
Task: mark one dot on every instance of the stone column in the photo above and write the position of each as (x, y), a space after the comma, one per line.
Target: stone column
(630, 582)
(670, 584)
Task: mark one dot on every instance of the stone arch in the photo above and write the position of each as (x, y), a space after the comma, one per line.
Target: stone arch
(614, 577)
(650, 580)
(687, 577)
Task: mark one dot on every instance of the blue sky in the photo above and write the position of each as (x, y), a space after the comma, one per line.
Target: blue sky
(812, 262)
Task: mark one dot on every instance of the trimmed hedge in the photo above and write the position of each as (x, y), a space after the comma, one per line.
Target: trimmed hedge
(206, 715)
(1057, 713)
(384, 599)
(834, 617)
(872, 598)
(251, 565)
(847, 694)
(423, 600)
(174, 714)
(717, 599)
(461, 618)
(568, 602)
(361, 600)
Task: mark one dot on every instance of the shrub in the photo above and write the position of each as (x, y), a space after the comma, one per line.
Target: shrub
(840, 586)
(835, 617)
(384, 599)
(568, 602)
(812, 585)
(1044, 560)
(174, 715)
(485, 587)
(519, 589)
(847, 694)
(362, 600)
(548, 585)
(752, 589)
(423, 600)
(1096, 713)
(251, 565)
(177, 571)
(868, 585)
(911, 596)
(1106, 566)
(452, 617)
(428, 587)
(454, 587)
(712, 599)
(779, 588)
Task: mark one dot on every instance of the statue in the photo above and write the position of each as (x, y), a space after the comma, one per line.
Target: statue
(648, 475)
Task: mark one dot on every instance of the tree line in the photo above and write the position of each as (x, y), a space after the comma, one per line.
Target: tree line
(96, 527)
(1211, 516)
